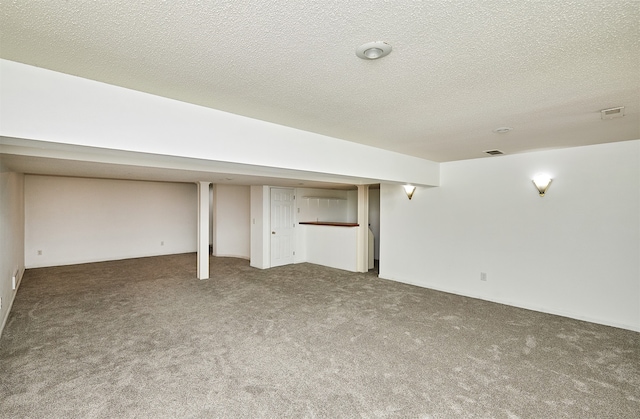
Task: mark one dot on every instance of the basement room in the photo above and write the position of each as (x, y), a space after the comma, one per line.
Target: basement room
(364, 209)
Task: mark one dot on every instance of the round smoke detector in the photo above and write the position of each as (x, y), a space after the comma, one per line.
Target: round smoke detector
(373, 50)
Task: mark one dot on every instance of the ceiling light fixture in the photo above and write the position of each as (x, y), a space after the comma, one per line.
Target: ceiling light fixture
(373, 50)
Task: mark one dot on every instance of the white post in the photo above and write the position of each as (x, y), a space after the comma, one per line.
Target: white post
(203, 230)
(362, 264)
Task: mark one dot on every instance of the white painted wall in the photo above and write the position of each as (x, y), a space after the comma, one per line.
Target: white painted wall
(362, 241)
(575, 252)
(260, 232)
(331, 246)
(11, 238)
(232, 217)
(77, 220)
(374, 219)
(203, 231)
(73, 110)
(211, 216)
(322, 205)
(213, 219)
(352, 206)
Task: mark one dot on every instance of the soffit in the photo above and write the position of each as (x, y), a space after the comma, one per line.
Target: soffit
(45, 158)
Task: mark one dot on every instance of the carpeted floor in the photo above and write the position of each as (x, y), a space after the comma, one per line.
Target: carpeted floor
(143, 338)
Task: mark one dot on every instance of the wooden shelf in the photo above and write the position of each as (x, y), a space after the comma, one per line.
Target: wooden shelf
(328, 198)
(329, 223)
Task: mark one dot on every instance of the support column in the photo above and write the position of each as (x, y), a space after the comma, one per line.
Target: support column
(203, 230)
(362, 264)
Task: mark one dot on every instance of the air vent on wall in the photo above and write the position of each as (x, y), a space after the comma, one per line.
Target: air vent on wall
(494, 152)
(612, 113)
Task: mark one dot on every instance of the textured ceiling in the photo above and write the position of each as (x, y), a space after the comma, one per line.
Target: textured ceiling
(458, 70)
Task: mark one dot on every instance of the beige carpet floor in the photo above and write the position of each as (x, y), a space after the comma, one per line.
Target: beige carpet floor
(143, 338)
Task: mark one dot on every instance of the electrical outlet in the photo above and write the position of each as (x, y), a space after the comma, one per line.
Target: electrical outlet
(13, 282)
(483, 276)
(39, 252)
(162, 243)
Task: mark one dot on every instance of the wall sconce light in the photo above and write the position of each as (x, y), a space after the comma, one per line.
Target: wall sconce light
(409, 189)
(542, 182)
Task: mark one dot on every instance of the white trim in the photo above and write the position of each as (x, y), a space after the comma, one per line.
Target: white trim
(13, 297)
(516, 304)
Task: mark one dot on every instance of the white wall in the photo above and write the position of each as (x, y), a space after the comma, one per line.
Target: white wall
(574, 252)
(77, 220)
(331, 246)
(374, 219)
(211, 216)
(352, 206)
(232, 217)
(322, 205)
(11, 238)
(260, 232)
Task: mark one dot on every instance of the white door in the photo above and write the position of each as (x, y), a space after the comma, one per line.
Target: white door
(282, 226)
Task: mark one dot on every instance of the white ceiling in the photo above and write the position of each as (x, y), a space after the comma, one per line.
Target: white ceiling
(458, 69)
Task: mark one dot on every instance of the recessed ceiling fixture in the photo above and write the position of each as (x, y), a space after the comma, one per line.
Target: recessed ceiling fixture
(502, 130)
(373, 50)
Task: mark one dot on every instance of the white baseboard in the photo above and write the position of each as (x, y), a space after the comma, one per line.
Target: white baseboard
(232, 256)
(540, 309)
(19, 276)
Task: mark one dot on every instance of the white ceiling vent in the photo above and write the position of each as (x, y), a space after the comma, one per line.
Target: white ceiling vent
(612, 113)
(494, 152)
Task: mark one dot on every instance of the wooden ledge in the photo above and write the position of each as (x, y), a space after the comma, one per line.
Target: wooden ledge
(328, 223)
